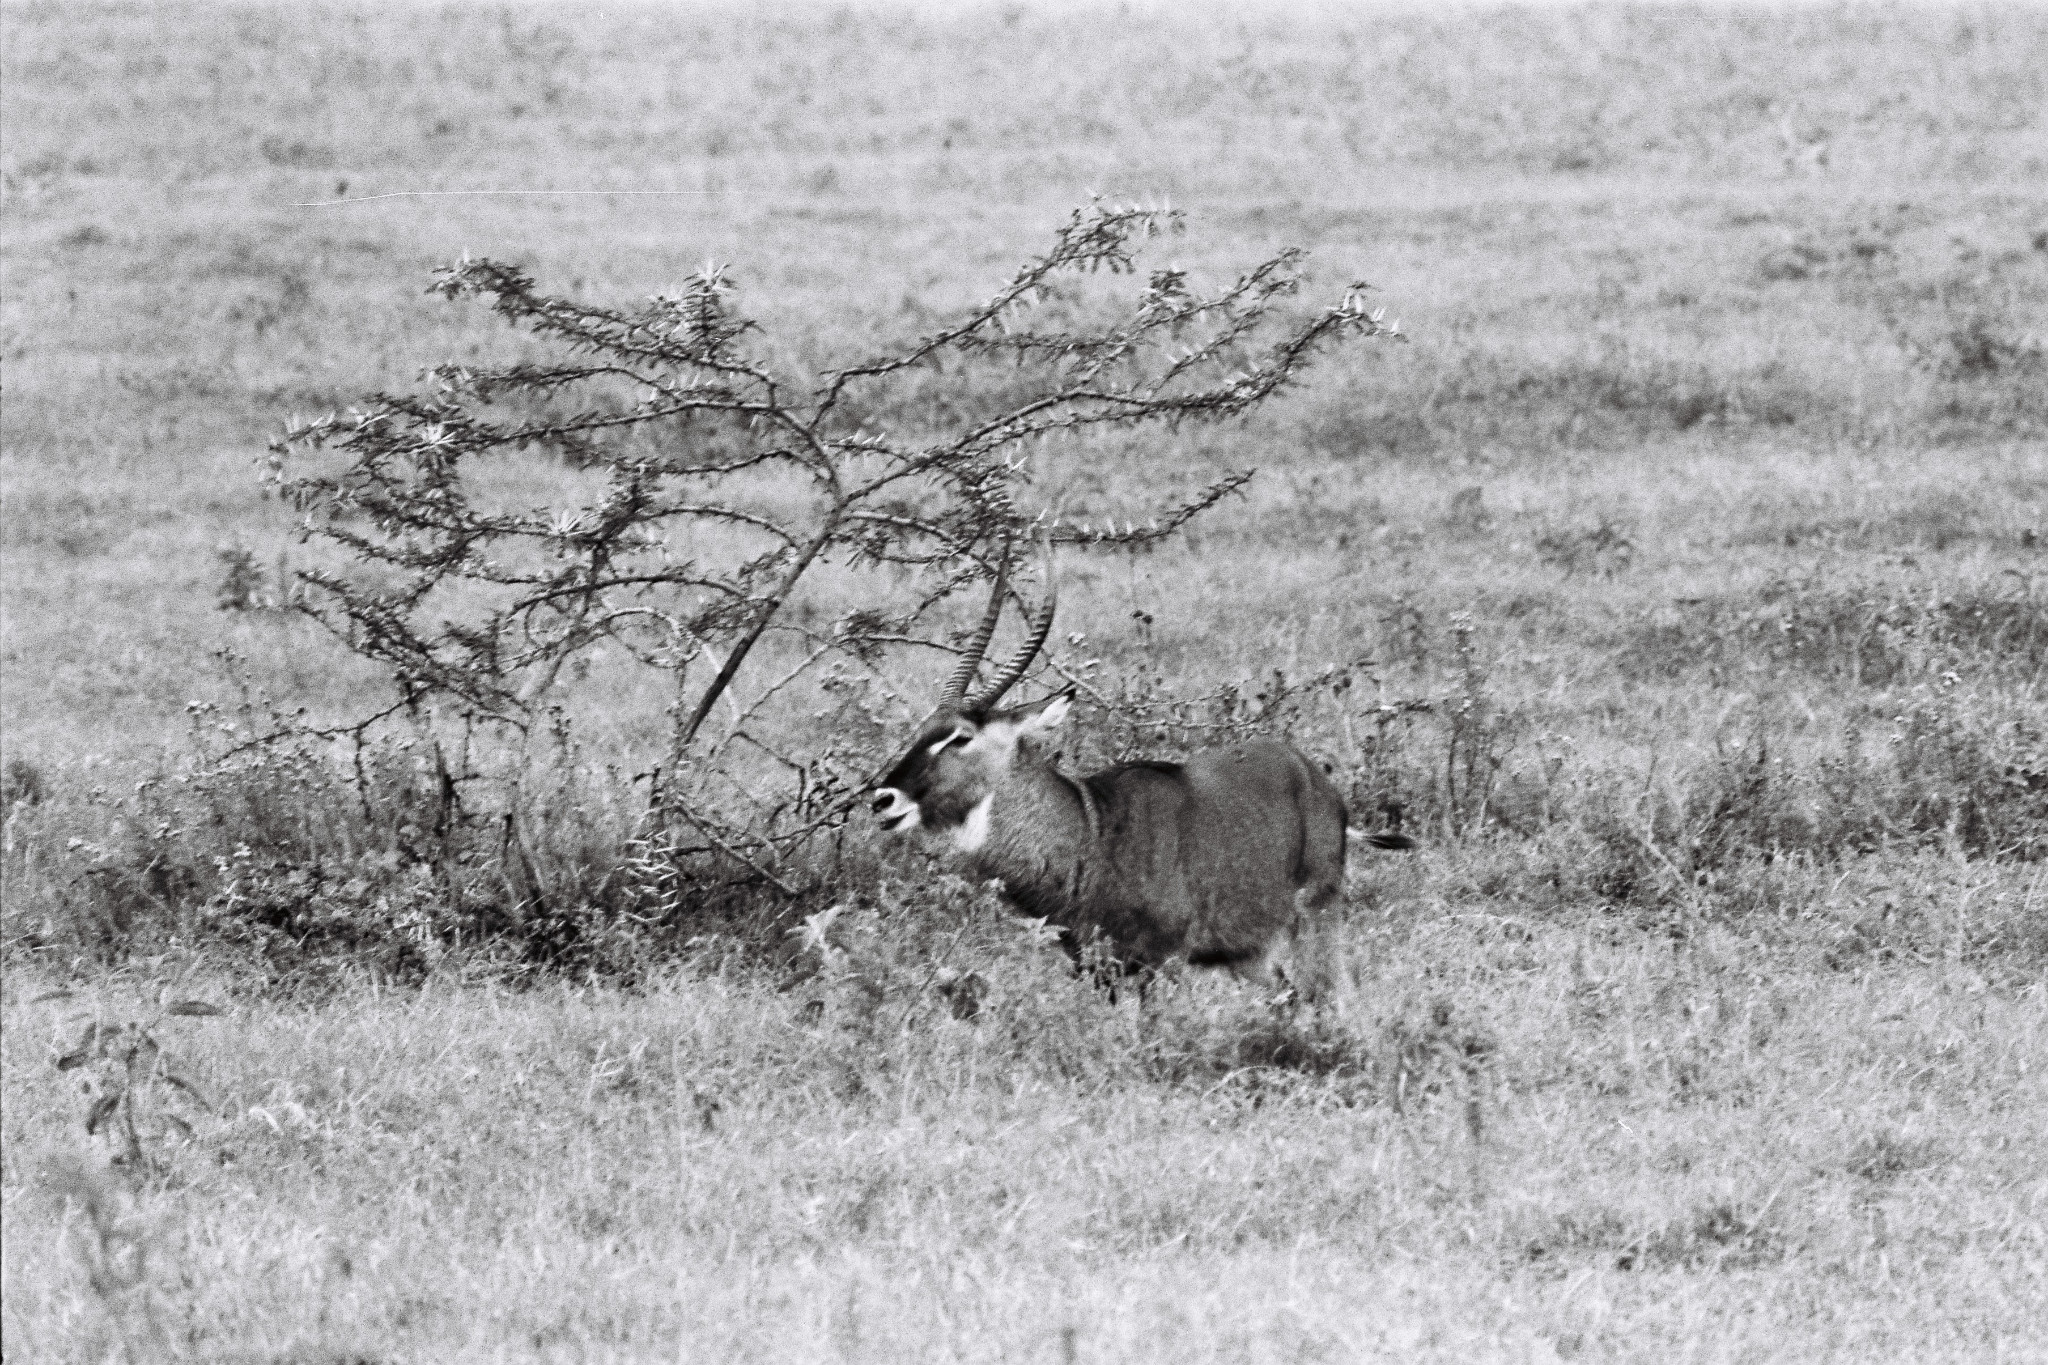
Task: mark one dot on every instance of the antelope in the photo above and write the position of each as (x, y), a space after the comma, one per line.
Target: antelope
(1231, 858)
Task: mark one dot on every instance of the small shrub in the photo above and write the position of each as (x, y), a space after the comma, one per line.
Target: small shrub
(1718, 1235)
(1466, 512)
(308, 851)
(1965, 778)
(134, 1095)
(1886, 1155)
(1479, 735)
(241, 580)
(22, 784)
(1978, 347)
(1604, 548)
(1796, 260)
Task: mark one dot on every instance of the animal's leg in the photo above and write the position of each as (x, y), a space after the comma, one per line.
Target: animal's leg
(1141, 975)
(1105, 965)
(1313, 942)
(1269, 969)
(1319, 879)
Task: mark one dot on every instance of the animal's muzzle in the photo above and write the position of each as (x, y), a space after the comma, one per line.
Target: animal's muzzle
(896, 811)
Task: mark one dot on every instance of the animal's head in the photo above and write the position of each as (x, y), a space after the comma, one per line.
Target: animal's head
(966, 750)
(960, 760)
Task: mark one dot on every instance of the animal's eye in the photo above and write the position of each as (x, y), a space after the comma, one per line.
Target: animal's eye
(939, 745)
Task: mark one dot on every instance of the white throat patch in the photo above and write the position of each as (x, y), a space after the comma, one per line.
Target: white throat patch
(973, 831)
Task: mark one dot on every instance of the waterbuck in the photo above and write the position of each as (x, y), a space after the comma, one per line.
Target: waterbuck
(1231, 858)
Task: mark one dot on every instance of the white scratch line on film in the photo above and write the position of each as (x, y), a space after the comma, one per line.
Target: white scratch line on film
(472, 194)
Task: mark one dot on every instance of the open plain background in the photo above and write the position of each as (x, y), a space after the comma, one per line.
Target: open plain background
(1696, 539)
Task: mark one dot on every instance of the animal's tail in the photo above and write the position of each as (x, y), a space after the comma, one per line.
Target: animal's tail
(1382, 840)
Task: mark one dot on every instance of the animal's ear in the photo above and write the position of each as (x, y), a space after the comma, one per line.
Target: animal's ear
(1043, 717)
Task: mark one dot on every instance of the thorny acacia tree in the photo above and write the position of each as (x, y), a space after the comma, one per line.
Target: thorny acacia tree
(698, 490)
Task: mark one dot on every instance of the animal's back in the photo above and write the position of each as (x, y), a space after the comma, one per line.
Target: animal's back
(1275, 789)
(1215, 849)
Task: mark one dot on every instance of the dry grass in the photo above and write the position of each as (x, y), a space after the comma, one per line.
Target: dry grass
(1645, 1159)
(1715, 479)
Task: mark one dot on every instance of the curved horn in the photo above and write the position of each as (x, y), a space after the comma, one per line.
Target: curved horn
(1041, 627)
(970, 661)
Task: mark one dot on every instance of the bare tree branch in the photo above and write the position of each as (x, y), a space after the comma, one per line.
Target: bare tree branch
(710, 487)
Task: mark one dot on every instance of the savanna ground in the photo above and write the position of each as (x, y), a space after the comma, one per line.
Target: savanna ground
(1695, 542)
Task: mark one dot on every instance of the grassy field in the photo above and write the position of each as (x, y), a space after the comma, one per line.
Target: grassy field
(1696, 537)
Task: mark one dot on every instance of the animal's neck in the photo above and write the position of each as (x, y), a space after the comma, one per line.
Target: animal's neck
(1039, 832)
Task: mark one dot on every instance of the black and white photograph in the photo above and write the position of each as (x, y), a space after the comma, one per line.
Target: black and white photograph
(1023, 681)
